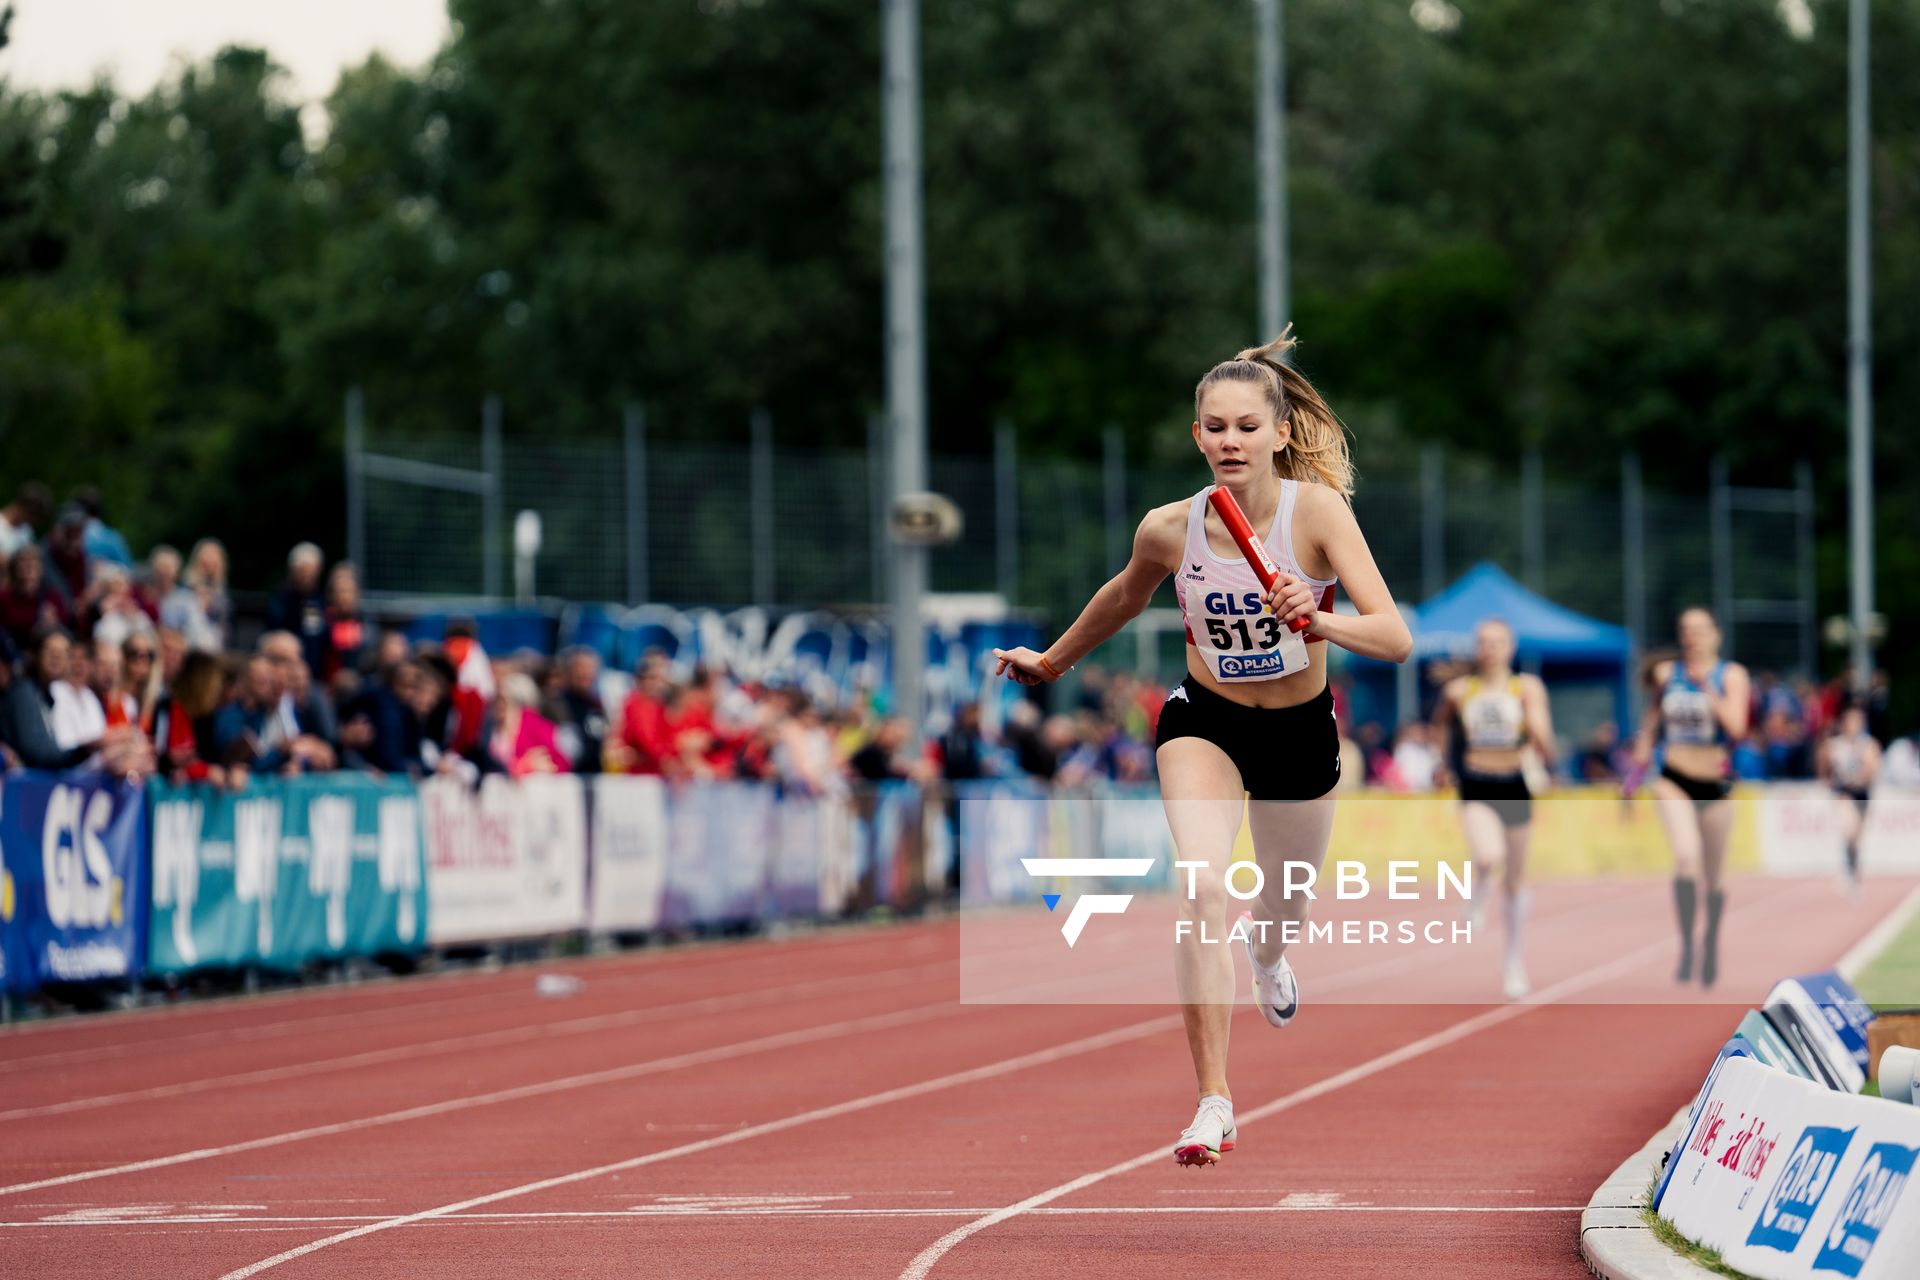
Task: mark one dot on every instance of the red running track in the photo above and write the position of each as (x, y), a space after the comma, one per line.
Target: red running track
(825, 1107)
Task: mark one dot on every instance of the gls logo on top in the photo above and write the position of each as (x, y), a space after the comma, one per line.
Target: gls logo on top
(1868, 1208)
(1796, 1197)
(81, 889)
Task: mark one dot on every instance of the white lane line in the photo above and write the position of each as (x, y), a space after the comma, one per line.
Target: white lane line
(621, 969)
(1006, 1066)
(1861, 954)
(700, 1057)
(244, 1032)
(924, 1261)
(486, 1039)
(618, 1215)
(810, 1116)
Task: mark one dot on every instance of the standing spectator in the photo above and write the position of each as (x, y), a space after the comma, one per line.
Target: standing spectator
(389, 651)
(66, 552)
(963, 751)
(297, 605)
(473, 690)
(1900, 766)
(1023, 734)
(884, 758)
(347, 631)
(109, 684)
(522, 740)
(200, 610)
(31, 506)
(247, 732)
(111, 612)
(384, 728)
(161, 580)
(1879, 705)
(78, 715)
(1414, 758)
(183, 722)
(583, 725)
(1380, 768)
(803, 756)
(259, 730)
(28, 601)
(301, 704)
(173, 649)
(1785, 744)
(645, 744)
(141, 680)
(100, 540)
(26, 714)
(1595, 761)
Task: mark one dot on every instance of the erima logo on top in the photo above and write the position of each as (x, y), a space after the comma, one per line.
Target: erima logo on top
(1092, 904)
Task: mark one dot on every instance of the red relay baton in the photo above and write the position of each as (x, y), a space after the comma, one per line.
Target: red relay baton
(1250, 546)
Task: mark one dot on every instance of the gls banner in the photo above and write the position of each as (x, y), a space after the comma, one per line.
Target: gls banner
(72, 879)
(285, 872)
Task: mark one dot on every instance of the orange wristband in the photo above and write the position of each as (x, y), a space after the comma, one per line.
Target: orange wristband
(1048, 667)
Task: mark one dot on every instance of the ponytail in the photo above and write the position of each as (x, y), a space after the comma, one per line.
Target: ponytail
(1316, 452)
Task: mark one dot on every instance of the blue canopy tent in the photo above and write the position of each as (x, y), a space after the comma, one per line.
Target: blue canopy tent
(1554, 642)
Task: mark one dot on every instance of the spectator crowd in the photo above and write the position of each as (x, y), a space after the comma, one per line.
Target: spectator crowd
(138, 669)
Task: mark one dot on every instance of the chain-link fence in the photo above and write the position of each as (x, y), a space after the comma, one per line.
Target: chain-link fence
(629, 521)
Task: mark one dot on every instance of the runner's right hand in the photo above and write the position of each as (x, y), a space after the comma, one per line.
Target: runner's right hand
(1021, 665)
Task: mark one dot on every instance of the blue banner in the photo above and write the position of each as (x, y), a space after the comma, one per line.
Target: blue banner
(73, 882)
(718, 839)
(286, 872)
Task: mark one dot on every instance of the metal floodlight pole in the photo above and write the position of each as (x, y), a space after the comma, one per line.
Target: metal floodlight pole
(1859, 342)
(490, 498)
(1274, 284)
(633, 438)
(356, 444)
(906, 337)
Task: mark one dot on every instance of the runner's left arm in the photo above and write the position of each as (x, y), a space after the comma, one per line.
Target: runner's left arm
(1379, 632)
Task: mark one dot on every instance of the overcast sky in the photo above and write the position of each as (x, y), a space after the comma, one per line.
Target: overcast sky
(59, 44)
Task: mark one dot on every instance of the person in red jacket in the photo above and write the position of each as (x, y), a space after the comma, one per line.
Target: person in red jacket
(645, 740)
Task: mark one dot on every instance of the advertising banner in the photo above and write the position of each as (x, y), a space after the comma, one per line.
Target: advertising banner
(73, 884)
(719, 838)
(1790, 1181)
(506, 861)
(286, 872)
(1801, 831)
(629, 852)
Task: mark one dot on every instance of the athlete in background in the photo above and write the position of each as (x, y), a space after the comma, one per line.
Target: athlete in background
(1496, 714)
(1849, 762)
(1700, 711)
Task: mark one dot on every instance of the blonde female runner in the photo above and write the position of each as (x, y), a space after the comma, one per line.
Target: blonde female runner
(1254, 717)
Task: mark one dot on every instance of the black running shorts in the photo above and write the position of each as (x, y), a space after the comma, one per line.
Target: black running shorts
(1698, 790)
(1506, 792)
(1283, 753)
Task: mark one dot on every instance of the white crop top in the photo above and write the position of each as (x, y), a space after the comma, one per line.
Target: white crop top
(1221, 600)
(1492, 716)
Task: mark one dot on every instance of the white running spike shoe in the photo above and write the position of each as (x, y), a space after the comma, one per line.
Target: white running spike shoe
(1515, 984)
(1210, 1133)
(1275, 990)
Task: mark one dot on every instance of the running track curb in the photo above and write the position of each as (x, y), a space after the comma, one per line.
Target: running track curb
(1615, 1241)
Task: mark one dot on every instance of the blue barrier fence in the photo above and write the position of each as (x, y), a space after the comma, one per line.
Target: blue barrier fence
(73, 880)
(102, 882)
